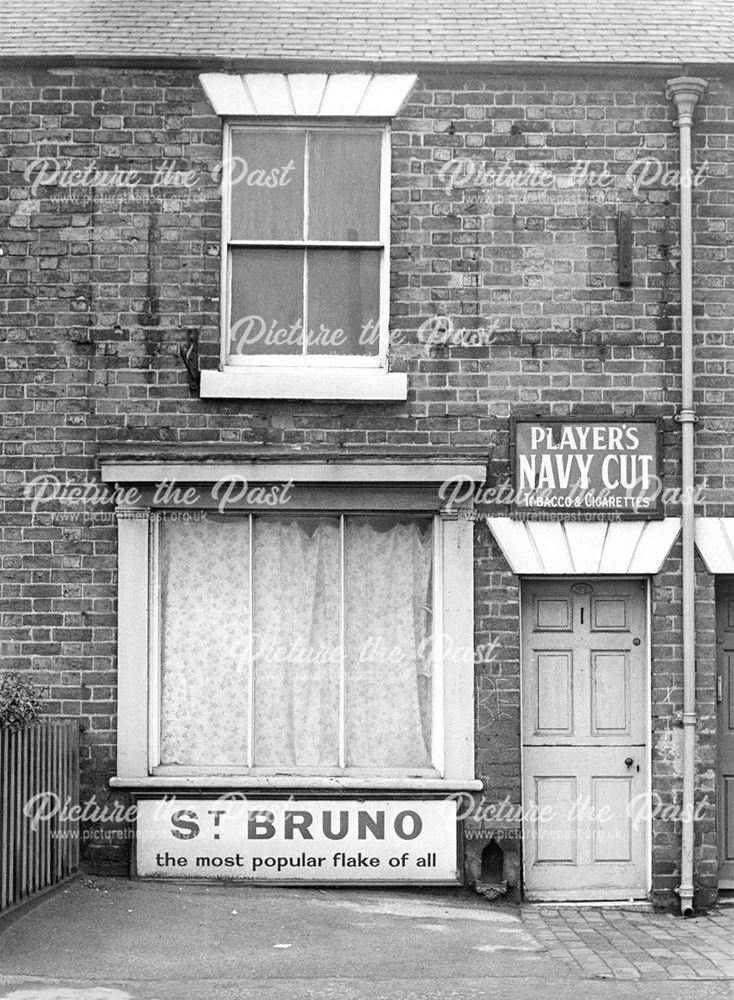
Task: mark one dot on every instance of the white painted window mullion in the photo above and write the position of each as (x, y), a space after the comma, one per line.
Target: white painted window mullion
(306, 221)
(438, 734)
(384, 234)
(317, 244)
(225, 250)
(154, 642)
(251, 645)
(343, 643)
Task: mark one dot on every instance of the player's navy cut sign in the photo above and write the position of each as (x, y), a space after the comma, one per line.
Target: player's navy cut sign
(591, 465)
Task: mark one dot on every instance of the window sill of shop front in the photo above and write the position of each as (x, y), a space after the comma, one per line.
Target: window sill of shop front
(300, 781)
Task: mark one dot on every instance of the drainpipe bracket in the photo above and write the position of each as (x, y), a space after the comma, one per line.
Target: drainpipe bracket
(686, 417)
(689, 718)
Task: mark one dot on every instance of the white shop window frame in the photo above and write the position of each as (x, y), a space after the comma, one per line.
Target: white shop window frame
(305, 364)
(138, 681)
(438, 666)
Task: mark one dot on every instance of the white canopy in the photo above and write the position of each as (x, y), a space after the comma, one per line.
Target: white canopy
(576, 547)
(715, 542)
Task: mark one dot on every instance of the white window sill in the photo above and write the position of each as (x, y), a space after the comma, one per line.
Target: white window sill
(332, 383)
(161, 782)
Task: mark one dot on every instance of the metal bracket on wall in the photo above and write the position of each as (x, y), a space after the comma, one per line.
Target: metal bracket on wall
(189, 354)
(624, 248)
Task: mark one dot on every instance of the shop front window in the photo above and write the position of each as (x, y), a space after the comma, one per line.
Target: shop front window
(299, 643)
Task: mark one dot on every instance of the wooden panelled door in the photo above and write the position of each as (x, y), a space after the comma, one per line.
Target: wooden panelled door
(585, 724)
(725, 698)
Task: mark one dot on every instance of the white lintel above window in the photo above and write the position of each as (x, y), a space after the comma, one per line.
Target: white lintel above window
(307, 95)
(305, 235)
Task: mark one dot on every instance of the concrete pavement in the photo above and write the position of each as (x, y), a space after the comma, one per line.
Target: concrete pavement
(112, 939)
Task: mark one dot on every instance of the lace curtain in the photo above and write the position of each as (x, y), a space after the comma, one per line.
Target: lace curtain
(297, 643)
(204, 614)
(297, 664)
(388, 624)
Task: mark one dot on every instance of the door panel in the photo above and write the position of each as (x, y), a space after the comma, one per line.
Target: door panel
(610, 685)
(608, 613)
(584, 718)
(552, 613)
(725, 691)
(555, 798)
(553, 695)
(728, 804)
(612, 796)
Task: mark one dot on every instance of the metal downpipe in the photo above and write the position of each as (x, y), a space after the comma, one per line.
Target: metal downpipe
(685, 92)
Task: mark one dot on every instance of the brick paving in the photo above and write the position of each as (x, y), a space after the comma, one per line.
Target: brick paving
(635, 944)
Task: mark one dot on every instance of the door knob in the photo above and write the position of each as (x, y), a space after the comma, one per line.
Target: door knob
(628, 761)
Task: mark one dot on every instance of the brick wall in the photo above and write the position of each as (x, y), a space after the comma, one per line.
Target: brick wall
(97, 294)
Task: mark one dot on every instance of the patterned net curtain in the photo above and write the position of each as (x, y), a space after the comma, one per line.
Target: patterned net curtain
(313, 663)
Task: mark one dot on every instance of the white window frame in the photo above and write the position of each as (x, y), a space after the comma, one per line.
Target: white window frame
(335, 377)
(138, 675)
(437, 678)
(305, 360)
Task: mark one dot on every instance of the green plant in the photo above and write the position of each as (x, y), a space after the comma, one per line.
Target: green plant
(20, 702)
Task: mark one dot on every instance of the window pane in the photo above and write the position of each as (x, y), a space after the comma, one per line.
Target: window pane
(344, 301)
(267, 302)
(266, 183)
(204, 641)
(389, 613)
(344, 185)
(297, 641)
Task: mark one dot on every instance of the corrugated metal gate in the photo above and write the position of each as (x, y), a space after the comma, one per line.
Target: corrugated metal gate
(39, 781)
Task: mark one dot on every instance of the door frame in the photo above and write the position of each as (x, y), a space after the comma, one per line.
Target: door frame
(592, 578)
(723, 585)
